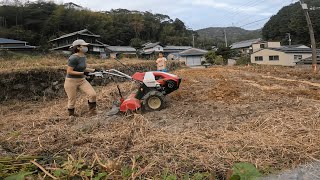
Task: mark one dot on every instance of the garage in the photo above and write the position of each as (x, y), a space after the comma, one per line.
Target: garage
(193, 56)
(193, 60)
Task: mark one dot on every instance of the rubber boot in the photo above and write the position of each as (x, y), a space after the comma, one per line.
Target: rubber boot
(92, 108)
(71, 112)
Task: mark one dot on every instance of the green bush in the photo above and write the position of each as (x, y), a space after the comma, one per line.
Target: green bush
(243, 60)
(219, 60)
(210, 57)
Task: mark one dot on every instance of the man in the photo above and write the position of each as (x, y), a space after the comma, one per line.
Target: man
(161, 63)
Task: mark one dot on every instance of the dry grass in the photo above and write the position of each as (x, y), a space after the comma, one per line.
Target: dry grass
(52, 61)
(216, 119)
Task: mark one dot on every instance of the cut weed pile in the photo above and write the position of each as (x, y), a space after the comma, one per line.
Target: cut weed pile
(218, 117)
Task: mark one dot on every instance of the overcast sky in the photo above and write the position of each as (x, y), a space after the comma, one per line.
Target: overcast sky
(198, 14)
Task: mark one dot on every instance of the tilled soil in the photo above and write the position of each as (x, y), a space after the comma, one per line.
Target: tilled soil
(218, 117)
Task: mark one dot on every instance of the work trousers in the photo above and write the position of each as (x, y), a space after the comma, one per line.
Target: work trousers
(71, 86)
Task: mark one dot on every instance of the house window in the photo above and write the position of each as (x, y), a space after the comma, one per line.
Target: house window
(258, 58)
(159, 48)
(297, 57)
(96, 49)
(262, 46)
(273, 58)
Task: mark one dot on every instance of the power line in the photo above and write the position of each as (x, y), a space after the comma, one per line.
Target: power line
(251, 4)
(255, 22)
(247, 16)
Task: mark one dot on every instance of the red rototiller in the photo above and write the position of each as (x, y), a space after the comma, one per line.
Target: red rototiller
(153, 87)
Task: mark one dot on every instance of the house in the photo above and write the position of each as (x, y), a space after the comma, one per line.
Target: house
(281, 56)
(308, 61)
(193, 56)
(245, 47)
(172, 52)
(175, 49)
(115, 51)
(71, 5)
(64, 42)
(264, 44)
(15, 45)
(150, 50)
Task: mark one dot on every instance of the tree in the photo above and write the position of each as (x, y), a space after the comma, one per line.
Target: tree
(291, 19)
(37, 22)
(136, 43)
(226, 53)
(210, 57)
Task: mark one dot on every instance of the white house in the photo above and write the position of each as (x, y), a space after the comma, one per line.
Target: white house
(124, 50)
(264, 44)
(280, 56)
(152, 48)
(245, 47)
(193, 56)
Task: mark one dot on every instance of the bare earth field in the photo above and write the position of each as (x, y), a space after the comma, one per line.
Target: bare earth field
(266, 116)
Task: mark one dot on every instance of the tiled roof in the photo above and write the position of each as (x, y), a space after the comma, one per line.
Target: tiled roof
(11, 41)
(121, 49)
(85, 32)
(193, 51)
(244, 44)
(293, 50)
(151, 45)
(177, 47)
(296, 46)
(18, 47)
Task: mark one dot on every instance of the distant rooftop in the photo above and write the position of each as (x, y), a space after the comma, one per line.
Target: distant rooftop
(18, 47)
(121, 49)
(244, 44)
(151, 45)
(11, 41)
(85, 32)
(296, 46)
(177, 47)
(294, 50)
(193, 52)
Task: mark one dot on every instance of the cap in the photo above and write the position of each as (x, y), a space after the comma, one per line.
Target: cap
(79, 42)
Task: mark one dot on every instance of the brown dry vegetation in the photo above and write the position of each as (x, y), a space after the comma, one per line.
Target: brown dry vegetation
(219, 116)
(52, 61)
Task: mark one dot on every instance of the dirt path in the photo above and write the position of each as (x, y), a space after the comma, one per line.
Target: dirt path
(218, 117)
(292, 80)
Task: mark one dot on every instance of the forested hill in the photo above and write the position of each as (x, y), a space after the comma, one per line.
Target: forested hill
(37, 22)
(234, 34)
(291, 19)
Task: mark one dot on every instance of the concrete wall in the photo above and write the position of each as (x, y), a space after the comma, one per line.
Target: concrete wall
(184, 59)
(284, 59)
(256, 47)
(274, 44)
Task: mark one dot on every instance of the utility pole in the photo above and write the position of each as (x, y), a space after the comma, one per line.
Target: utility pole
(289, 37)
(312, 38)
(225, 37)
(192, 40)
